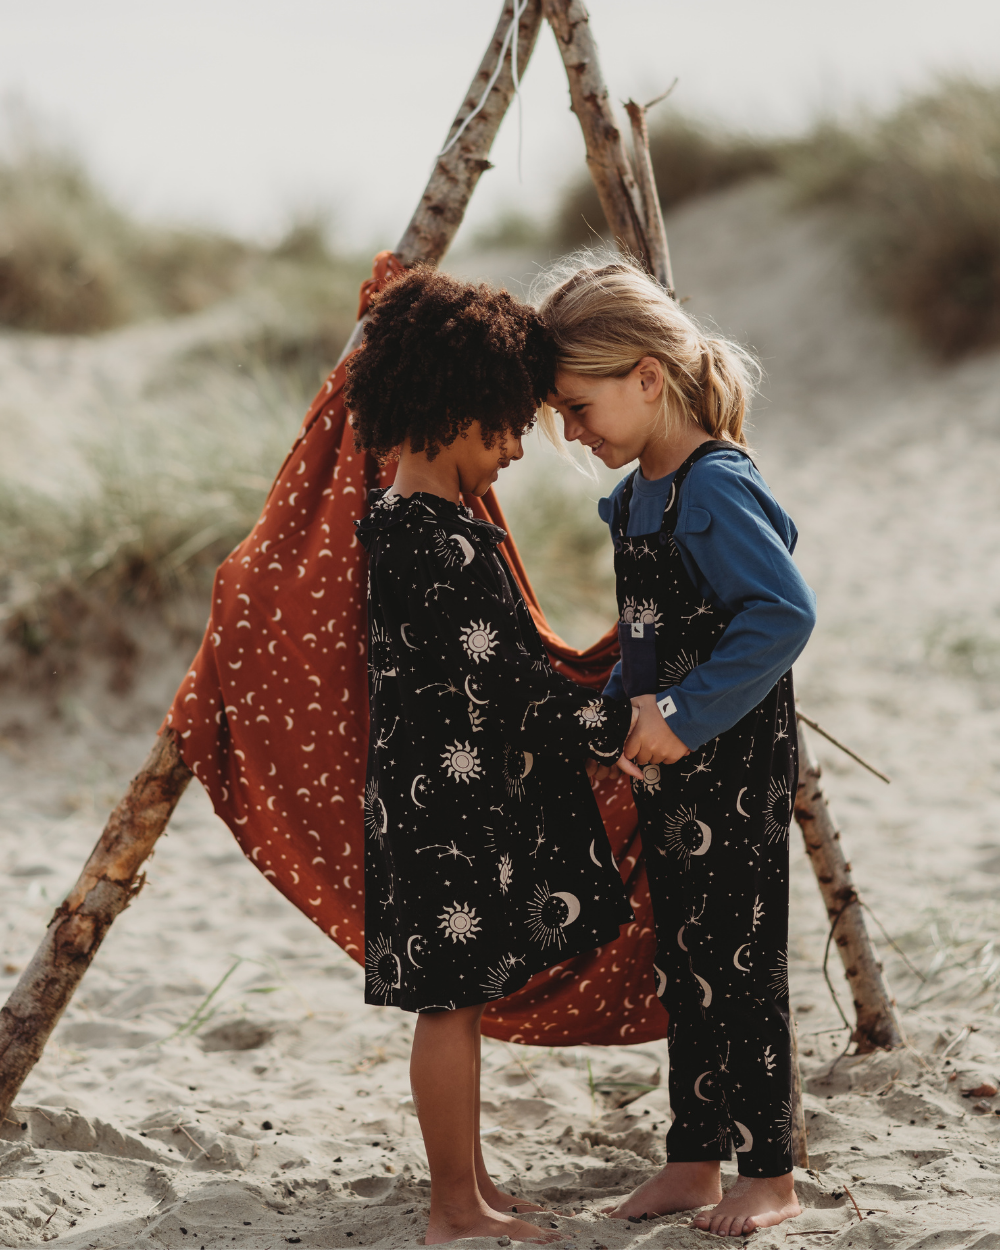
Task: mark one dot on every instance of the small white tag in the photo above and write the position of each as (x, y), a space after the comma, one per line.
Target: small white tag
(667, 706)
(637, 629)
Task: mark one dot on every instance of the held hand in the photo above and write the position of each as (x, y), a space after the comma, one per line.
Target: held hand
(597, 771)
(652, 741)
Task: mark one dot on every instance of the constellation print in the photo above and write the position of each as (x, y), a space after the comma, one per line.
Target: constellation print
(704, 765)
(449, 851)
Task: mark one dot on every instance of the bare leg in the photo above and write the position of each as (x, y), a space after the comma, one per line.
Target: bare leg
(752, 1202)
(676, 1187)
(494, 1197)
(444, 1080)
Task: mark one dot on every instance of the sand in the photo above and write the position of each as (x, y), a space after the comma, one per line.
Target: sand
(277, 1111)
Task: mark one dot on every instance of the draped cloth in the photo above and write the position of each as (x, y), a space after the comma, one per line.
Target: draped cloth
(273, 720)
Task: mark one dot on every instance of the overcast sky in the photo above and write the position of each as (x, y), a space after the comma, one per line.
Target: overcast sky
(241, 112)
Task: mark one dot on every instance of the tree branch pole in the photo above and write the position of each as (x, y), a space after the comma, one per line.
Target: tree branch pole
(112, 876)
(656, 234)
(617, 187)
(877, 1024)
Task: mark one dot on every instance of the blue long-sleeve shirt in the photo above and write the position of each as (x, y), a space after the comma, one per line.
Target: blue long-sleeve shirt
(736, 543)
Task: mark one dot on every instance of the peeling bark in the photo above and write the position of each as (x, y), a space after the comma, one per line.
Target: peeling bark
(657, 252)
(458, 168)
(877, 1026)
(111, 878)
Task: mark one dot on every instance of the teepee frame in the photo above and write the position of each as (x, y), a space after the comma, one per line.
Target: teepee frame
(113, 875)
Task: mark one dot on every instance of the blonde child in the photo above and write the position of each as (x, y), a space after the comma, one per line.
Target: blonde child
(712, 614)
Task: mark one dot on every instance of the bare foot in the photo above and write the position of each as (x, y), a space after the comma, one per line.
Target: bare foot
(752, 1202)
(676, 1187)
(441, 1229)
(499, 1200)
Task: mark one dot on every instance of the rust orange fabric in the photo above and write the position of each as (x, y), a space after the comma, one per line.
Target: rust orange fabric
(273, 720)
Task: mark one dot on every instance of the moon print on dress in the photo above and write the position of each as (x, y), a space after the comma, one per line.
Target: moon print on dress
(685, 835)
(778, 812)
(382, 968)
(376, 817)
(459, 922)
(479, 641)
(380, 664)
(488, 803)
(549, 913)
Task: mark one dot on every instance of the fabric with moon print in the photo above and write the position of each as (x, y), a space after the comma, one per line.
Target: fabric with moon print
(486, 859)
(714, 828)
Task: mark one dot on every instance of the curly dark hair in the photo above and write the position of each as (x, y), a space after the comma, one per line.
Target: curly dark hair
(439, 354)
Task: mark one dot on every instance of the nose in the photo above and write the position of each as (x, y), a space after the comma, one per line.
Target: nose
(515, 450)
(572, 429)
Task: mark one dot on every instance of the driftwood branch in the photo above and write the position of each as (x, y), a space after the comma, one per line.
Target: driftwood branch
(111, 878)
(463, 160)
(800, 1150)
(877, 1026)
(657, 252)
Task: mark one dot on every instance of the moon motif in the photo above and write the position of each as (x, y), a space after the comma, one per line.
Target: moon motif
(347, 882)
(254, 853)
(736, 957)
(680, 937)
(481, 702)
(288, 721)
(592, 855)
(739, 802)
(413, 789)
(467, 548)
(402, 631)
(529, 759)
(409, 950)
(706, 838)
(747, 1138)
(697, 1086)
(661, 981)
(673, 496)
(706, 991)
(571, 901)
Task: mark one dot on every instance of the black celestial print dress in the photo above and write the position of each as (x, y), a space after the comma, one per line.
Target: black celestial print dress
(715, 834)
(486, 858)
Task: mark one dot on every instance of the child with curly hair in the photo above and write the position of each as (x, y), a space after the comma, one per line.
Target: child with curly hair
(712, 614)
(486, 860)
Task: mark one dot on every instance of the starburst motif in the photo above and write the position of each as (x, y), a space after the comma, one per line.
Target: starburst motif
(777, 810)
(459, 922)
(376, 817)
(462, 762)
(515, 769)
(673, 672)
(380, 661)
(778, 983)
(448, 550)
(479, 640)
(500, 980)
(548, 915)
(382, 968)
(685, 835)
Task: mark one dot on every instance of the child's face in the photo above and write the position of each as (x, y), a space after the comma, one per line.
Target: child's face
(478, 465)
(614, 417)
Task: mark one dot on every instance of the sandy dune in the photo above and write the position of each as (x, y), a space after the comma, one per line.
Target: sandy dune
(277, 1112)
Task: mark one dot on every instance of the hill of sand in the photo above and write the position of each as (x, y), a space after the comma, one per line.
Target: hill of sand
(218, 1080)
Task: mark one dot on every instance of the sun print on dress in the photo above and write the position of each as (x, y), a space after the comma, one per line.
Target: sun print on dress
(673, 672)
(506, 873)
(549, 912)
(778, 810)
(642, 611)
(376, 817)
(593, 715)
(462, 762)
(479, 640)
(380, 663)
(516, 766)
(382, 968)
(501, 979)
(459, 922)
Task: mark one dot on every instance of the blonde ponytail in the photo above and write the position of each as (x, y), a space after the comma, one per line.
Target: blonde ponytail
(605, 320)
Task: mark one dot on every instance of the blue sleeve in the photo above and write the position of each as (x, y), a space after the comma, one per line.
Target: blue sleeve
(736, 543)
(615, 688)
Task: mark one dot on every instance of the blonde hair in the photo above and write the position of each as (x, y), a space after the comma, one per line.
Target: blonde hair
(605, 320)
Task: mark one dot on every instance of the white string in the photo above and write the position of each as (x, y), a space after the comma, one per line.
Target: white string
(512, 30)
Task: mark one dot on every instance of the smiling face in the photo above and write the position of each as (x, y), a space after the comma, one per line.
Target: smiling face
(616, 418)
(479, 466)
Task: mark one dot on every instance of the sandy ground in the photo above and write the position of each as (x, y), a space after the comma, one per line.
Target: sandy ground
(174, 1108)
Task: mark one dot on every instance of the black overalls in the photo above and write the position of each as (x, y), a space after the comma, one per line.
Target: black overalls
(714, 830)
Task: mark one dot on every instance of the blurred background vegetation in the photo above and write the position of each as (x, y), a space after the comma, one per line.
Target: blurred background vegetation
(177, 480)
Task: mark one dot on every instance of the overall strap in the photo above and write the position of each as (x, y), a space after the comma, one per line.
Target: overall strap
(671, 509)
(623, 513)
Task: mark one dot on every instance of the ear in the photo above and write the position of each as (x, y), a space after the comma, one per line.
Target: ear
(650, 374)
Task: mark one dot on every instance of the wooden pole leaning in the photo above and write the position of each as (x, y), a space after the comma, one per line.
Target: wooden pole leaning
(112, 876)
(877, 1026)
